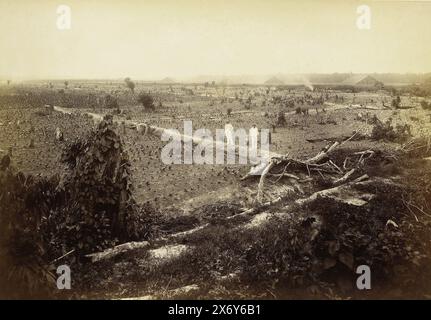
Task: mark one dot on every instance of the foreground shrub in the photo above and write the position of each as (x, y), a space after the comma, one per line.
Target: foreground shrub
(323, 246)
(89, 209)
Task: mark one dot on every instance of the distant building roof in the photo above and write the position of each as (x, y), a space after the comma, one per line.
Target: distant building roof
(167, 80)
(274, 81)
(361, 80)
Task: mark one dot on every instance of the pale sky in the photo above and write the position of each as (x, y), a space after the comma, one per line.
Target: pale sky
(153, 39)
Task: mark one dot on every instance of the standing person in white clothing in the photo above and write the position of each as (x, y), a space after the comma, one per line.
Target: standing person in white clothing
(228, 130)
(253, 134)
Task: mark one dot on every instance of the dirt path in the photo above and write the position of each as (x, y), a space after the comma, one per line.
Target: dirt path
(242, 151)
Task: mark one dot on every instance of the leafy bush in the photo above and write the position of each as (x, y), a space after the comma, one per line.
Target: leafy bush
(281, 119)
(425, 105)
(147, 101)
(130, 84)
(386, 131)
(100, 184)
(396, 102)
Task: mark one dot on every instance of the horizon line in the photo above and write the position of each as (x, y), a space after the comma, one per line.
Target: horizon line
(189, 78)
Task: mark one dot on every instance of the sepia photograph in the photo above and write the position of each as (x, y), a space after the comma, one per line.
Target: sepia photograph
(233, 151)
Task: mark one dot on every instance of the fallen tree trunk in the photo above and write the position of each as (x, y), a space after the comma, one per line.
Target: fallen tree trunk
(322, 154)
(115, 251)
(343, 193)
(344, 178)
(169, 294)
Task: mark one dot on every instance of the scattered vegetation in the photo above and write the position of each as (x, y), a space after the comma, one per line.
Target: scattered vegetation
(111, 102)
(386, 131)
(281, 119)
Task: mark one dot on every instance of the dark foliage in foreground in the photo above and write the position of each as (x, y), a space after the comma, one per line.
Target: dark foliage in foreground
(389, 132)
